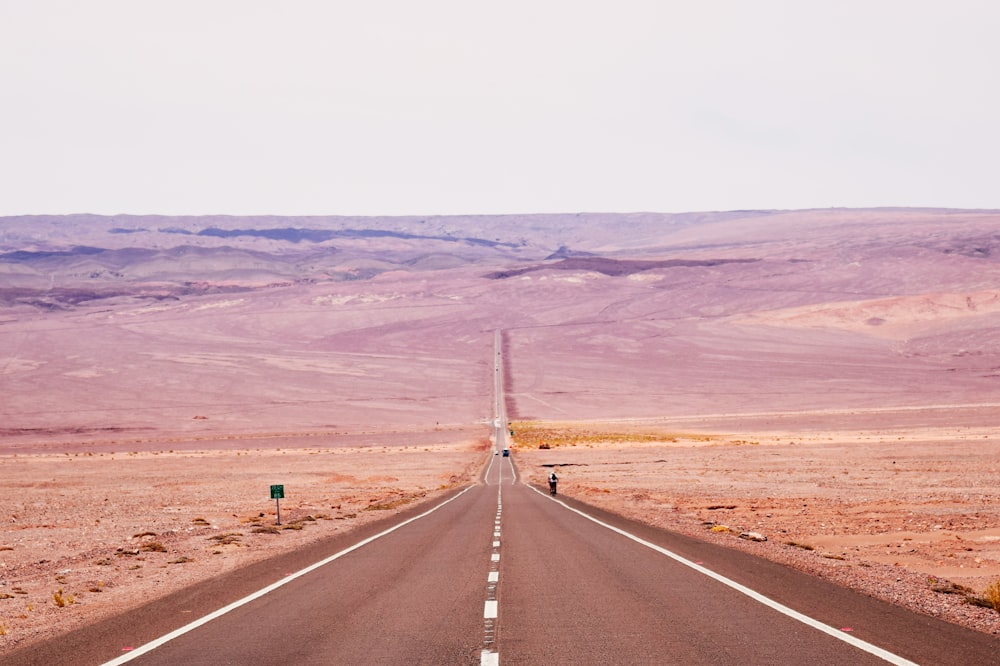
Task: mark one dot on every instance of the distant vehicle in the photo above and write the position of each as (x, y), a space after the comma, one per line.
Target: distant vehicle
(506, 453)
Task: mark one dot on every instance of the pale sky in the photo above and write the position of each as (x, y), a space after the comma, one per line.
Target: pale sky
(386, 107)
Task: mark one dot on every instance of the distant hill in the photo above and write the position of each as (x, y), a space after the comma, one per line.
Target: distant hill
(275, 324)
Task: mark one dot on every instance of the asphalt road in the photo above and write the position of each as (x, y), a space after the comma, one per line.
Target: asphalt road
(502, 572)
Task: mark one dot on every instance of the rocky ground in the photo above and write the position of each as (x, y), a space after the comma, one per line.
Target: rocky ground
(87, 535)
(909, 515)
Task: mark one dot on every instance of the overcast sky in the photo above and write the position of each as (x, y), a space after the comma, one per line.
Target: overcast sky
(369, 107)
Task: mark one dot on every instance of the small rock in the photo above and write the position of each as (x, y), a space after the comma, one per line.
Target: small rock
(753, 536)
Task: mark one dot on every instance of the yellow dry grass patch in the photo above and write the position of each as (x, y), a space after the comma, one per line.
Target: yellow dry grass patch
(536, 435)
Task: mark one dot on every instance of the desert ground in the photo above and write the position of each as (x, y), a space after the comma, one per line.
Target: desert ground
(908, 514)
(827, 379)
(90, 534)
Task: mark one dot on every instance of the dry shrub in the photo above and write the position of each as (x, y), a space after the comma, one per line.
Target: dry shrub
(990, 598)
(228, 538)
(62, 600)
(951, 588)
(266, 529)
(252, 519)
(992, 595)
(388, 504)
(153, 547)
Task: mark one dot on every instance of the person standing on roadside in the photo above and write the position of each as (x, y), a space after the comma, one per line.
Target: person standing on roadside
(553, 479)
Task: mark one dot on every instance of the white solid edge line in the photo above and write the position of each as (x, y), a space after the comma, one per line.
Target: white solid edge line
(756, 596)
(152, 645)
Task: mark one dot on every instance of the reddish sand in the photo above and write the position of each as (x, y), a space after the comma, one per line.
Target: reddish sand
(108, 531)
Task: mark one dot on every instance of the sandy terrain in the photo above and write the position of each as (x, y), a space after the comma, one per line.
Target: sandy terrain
(907, 514)
(91, 534)
(841, 368)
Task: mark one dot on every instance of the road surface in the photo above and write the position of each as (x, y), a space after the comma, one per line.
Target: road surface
(503, 573)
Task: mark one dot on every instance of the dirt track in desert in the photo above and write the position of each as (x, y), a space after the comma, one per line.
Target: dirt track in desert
(825, 378)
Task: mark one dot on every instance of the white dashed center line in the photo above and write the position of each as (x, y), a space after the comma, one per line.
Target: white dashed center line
(489, 655)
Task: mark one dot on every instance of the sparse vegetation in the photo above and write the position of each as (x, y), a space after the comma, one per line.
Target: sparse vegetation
(200, 521)
(266, 529)
(538, 436)
(259, 518)
(141, 535)
(181, 560)
(153, 547)
(62, 600)
(992, 595)
(990, 598)
(388, 504)
(803, 546)
(945, 587)
(229, 538)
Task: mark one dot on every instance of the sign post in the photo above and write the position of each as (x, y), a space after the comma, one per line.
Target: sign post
(277, 492)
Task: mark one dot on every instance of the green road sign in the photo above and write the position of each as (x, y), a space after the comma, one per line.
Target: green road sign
(277, 492)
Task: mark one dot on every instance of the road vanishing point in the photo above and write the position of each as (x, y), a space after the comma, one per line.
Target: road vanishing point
(501, 572)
